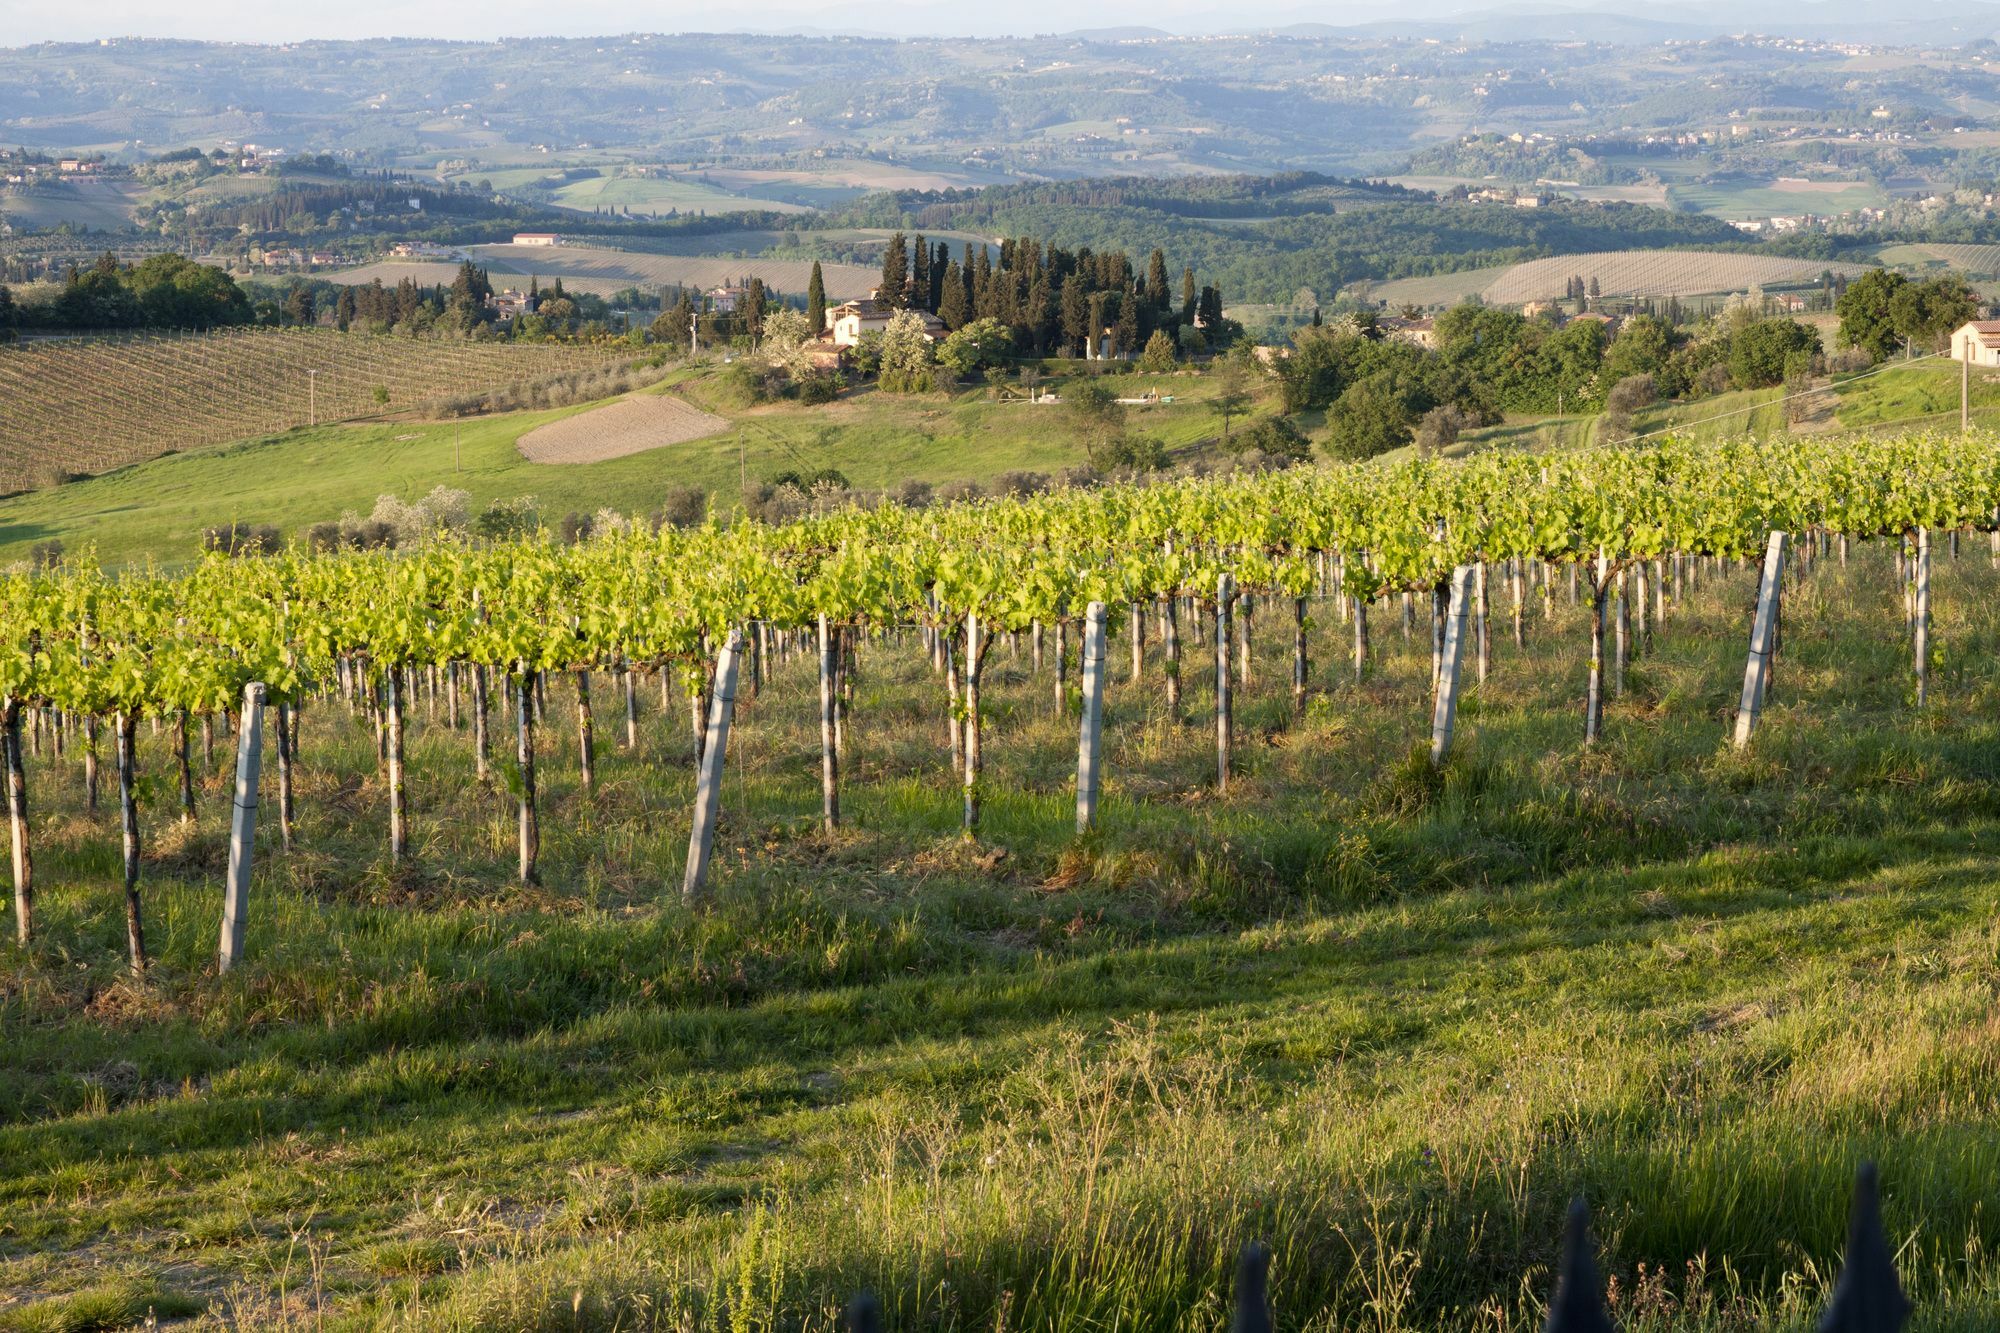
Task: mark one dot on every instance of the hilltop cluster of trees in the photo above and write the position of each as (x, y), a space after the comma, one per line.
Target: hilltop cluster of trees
(1380, 392)
(1051, 300)
(165, 291)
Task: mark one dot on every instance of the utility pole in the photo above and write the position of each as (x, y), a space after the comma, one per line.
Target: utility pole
(312, 397)
(694, 341)
(1965, 392)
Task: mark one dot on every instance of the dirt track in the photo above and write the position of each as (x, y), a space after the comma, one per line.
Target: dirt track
(628, 426)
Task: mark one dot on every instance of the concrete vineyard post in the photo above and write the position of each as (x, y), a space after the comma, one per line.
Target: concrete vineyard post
(1763, 633)
(128, 743)
(1360, 640)
(1170, 627)
(586, 734)
(17, 819)
(977, 640)
(829, 753)
(1921, 616)
(287, 732)
(631, 709)
(708, 790)
(482, 709)
(1593, 702)
(242, 826)
(1444, 711)
(1225, 596)
(1484, 622)
(524, 752)
(399, 801)
(1089, 747)
(1301, 661)
(1138, 641)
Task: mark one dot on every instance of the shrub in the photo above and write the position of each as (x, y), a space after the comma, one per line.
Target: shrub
(47, 555)
(242, 539)
(911, 493)
(323, 537)
(820, 386)
(1275, 437)
(1020, 483)
(1136, 453)
(504, 520)
(681, 507)
(575, 528)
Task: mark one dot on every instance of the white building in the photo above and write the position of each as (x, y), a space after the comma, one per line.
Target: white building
(1977, 342)
(537, 238)
(854, 318)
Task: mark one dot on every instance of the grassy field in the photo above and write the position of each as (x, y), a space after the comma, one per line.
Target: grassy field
(295, 479)
(651, 195)
(1747, 198)
(1618, 273)
(1389, 1021)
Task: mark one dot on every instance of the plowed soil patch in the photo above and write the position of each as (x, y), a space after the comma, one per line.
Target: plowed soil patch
(628, 426)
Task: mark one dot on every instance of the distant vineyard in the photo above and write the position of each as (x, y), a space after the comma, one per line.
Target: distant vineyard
(88, 405)
(603, 272)
(1981, 261)
(1618, 273)
(1657, 273)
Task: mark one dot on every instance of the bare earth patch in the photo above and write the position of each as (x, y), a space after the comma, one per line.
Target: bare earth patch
(628, 426)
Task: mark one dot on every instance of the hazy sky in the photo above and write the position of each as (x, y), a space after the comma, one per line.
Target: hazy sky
(28, 21)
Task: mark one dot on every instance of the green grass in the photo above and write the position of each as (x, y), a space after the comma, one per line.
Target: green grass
(1744, 198)
(1926, 393)
(158, 509)
(1389, 1020)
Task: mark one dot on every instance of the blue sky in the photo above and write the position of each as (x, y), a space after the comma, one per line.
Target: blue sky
(28, 21)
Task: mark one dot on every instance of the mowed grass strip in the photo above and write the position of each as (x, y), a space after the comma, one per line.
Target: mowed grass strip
(1388, 1019)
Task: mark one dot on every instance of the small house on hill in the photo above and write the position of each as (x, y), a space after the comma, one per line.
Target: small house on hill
(851, 319)
(1977, 342)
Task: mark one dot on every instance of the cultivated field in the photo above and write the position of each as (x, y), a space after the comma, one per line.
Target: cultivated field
(602, 272)
(630, 425)
(1656, 273)
(1979, 261)
(90, 405)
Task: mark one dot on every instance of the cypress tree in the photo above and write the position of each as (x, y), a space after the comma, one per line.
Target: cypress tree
(1075, 313)
(1157, 290)
(952, 305)
(895, 274)
(920, 274)
(939, 263)
(816, 300)
(1187, 295)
